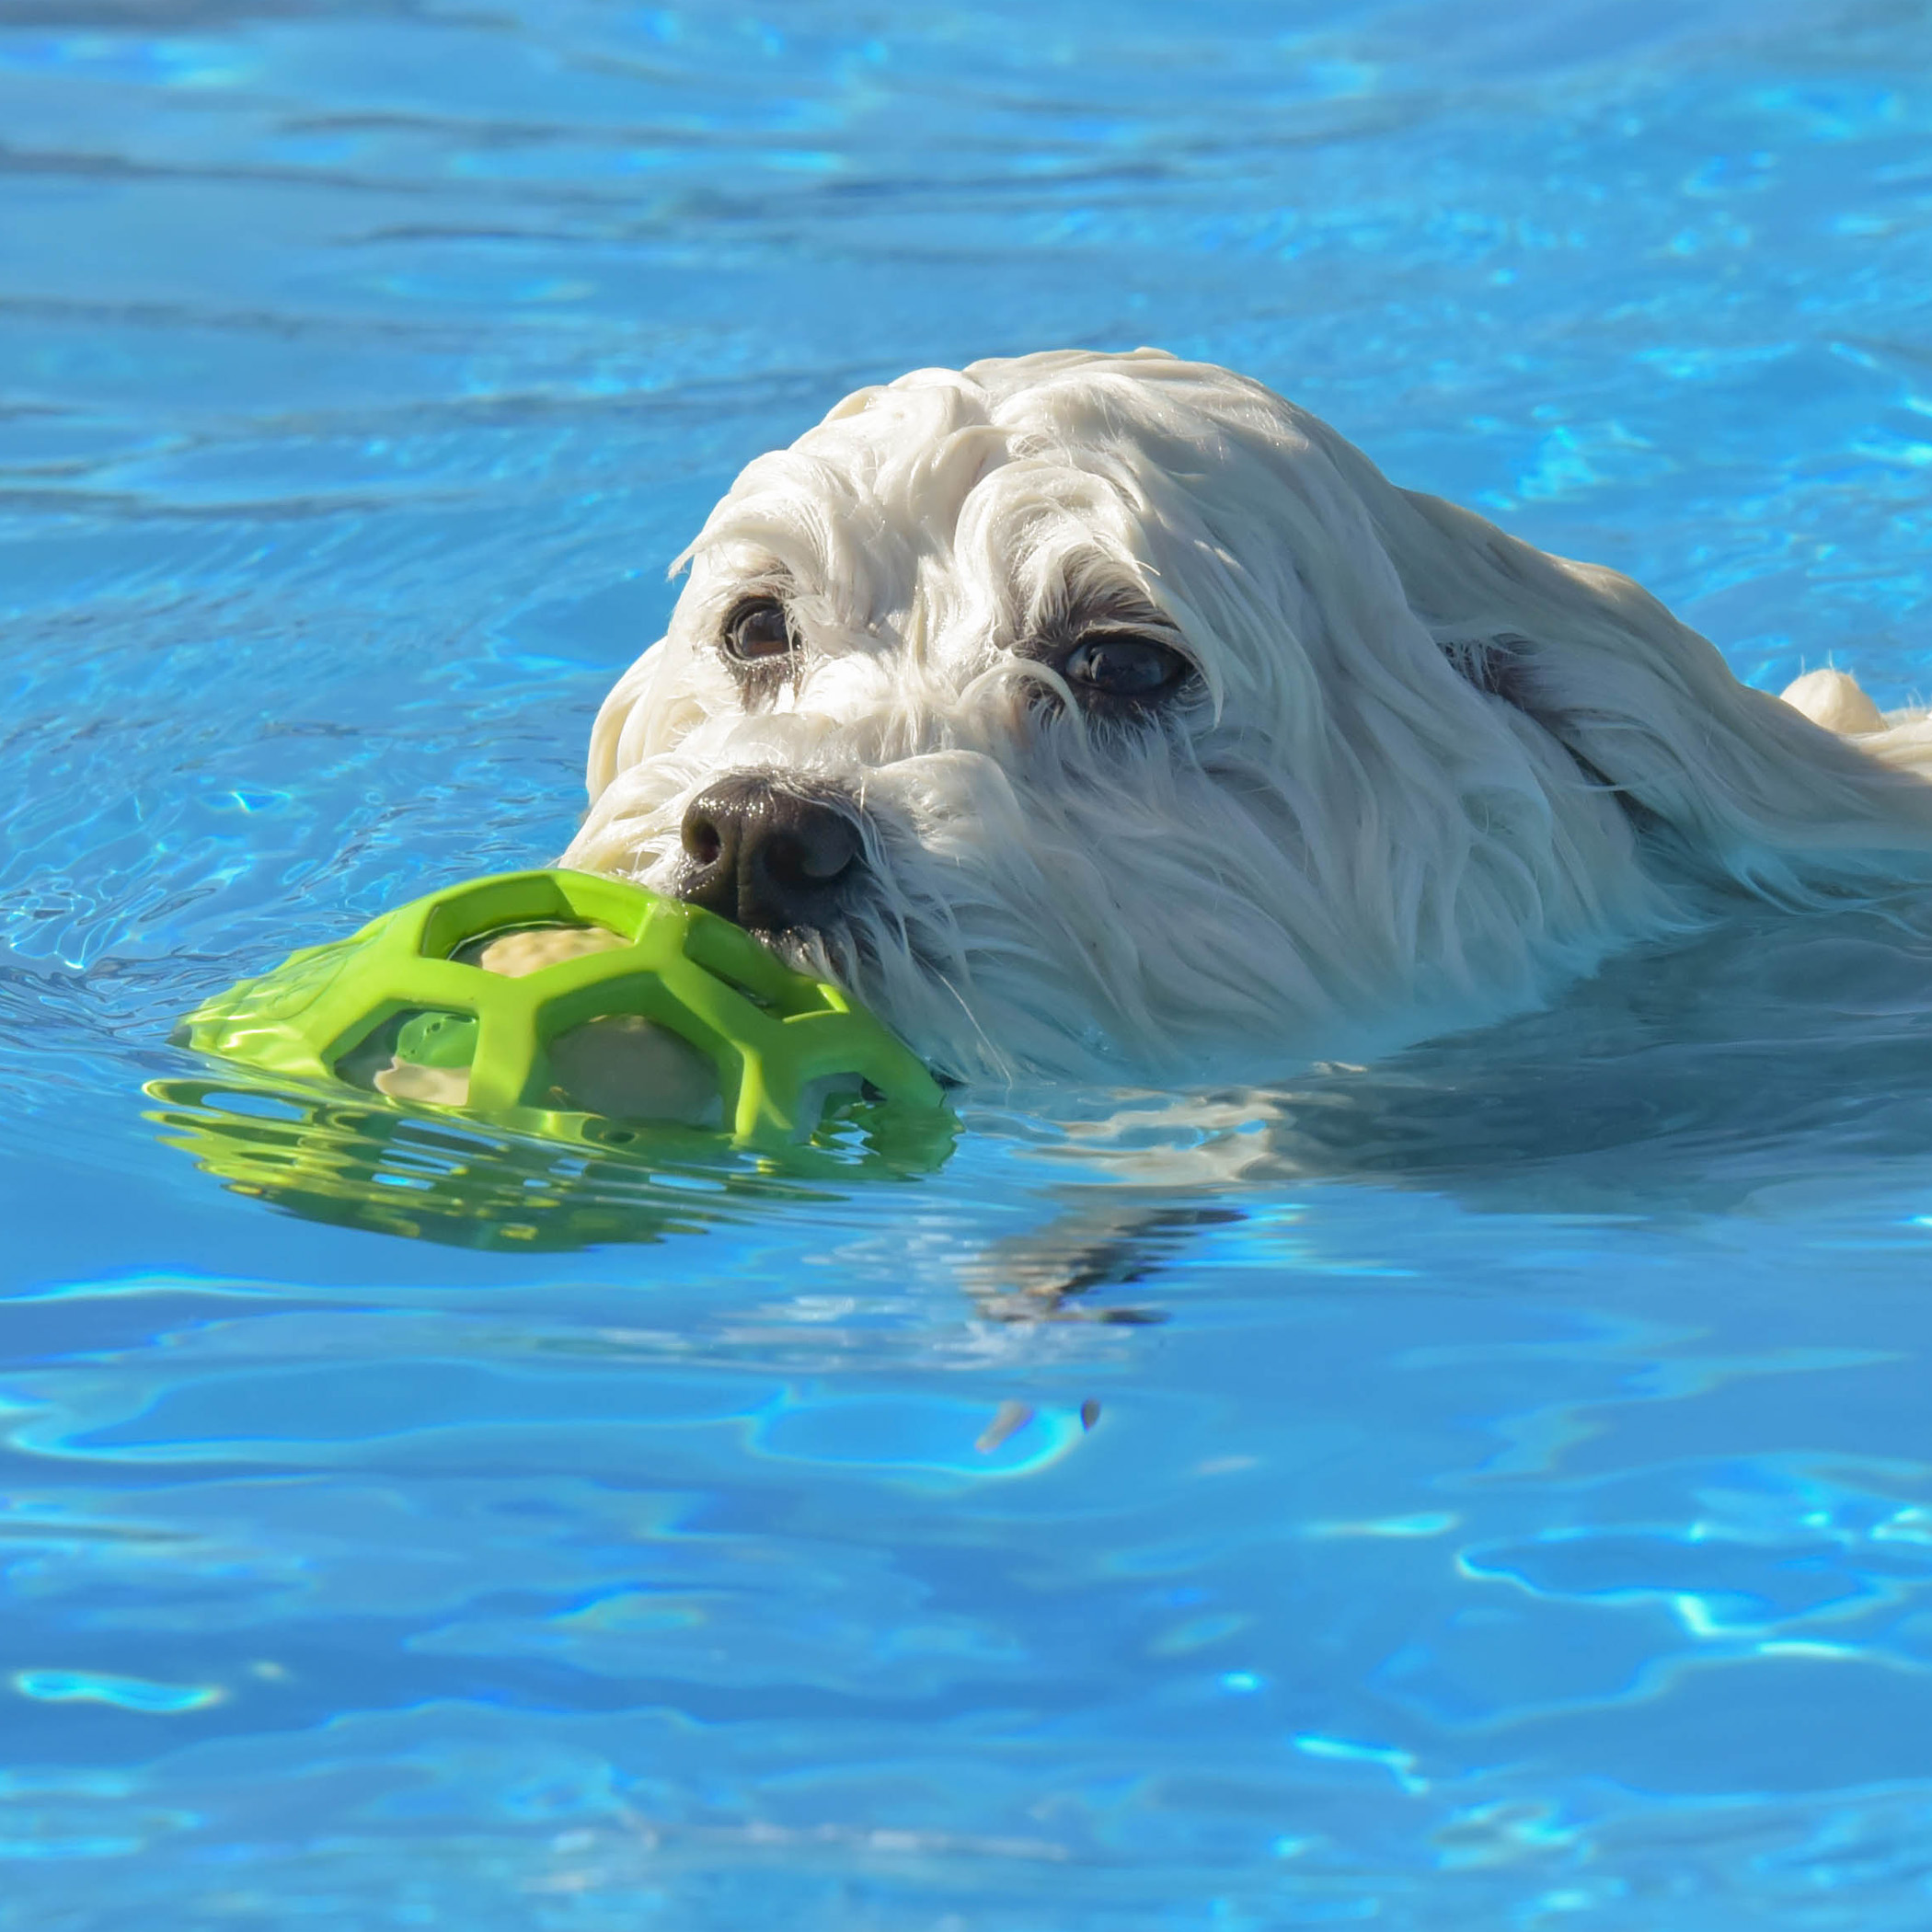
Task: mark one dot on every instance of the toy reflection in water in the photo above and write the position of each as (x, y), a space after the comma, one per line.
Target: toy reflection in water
(508, 1060)
(430, 1174)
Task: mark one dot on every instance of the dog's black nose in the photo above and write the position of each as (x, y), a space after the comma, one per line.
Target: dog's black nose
(769, 854)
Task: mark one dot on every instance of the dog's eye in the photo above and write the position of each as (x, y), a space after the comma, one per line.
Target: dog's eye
(1116, 664)
(757, 631)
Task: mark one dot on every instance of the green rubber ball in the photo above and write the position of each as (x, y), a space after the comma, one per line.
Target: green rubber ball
(561, 1002)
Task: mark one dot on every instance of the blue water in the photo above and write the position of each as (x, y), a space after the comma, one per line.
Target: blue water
(1503, 1494)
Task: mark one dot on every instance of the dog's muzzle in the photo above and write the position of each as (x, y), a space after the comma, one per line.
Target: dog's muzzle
(770, 853)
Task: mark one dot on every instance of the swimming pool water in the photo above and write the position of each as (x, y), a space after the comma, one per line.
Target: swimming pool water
(1490, 1488)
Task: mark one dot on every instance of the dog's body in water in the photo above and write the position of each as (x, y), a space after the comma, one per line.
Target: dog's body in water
(1107, 717)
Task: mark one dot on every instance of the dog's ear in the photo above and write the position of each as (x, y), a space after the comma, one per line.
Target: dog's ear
(1501, 667)
(1750, 788)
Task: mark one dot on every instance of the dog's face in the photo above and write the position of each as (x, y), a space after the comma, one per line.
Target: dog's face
(1107, 716)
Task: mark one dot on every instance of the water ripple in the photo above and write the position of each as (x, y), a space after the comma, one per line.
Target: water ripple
(1483, 1489)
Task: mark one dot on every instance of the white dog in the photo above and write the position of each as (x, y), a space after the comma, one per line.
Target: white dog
(1107, 716)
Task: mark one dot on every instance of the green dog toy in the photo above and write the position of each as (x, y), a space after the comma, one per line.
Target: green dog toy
(569, 1005)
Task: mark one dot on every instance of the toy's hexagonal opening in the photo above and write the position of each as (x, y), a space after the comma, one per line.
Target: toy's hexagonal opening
(486, 907)
(418, 1053)
(515, 952)
(626, 1067)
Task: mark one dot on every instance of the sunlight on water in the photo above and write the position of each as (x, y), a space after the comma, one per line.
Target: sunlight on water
(1486, 1488)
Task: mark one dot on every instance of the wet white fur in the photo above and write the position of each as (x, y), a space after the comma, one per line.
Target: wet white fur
(1344, 843)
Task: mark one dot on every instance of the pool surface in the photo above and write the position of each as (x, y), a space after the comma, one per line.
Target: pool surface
(1491, 1488)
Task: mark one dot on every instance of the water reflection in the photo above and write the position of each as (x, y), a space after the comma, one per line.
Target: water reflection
(369, 1162)
(1770, 1056)
(1781, 1059)
(1774, 1048)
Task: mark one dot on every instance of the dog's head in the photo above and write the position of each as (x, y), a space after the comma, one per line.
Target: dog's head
(1106, 714)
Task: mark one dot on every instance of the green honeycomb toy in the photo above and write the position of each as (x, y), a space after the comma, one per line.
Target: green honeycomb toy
(569, 1005)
